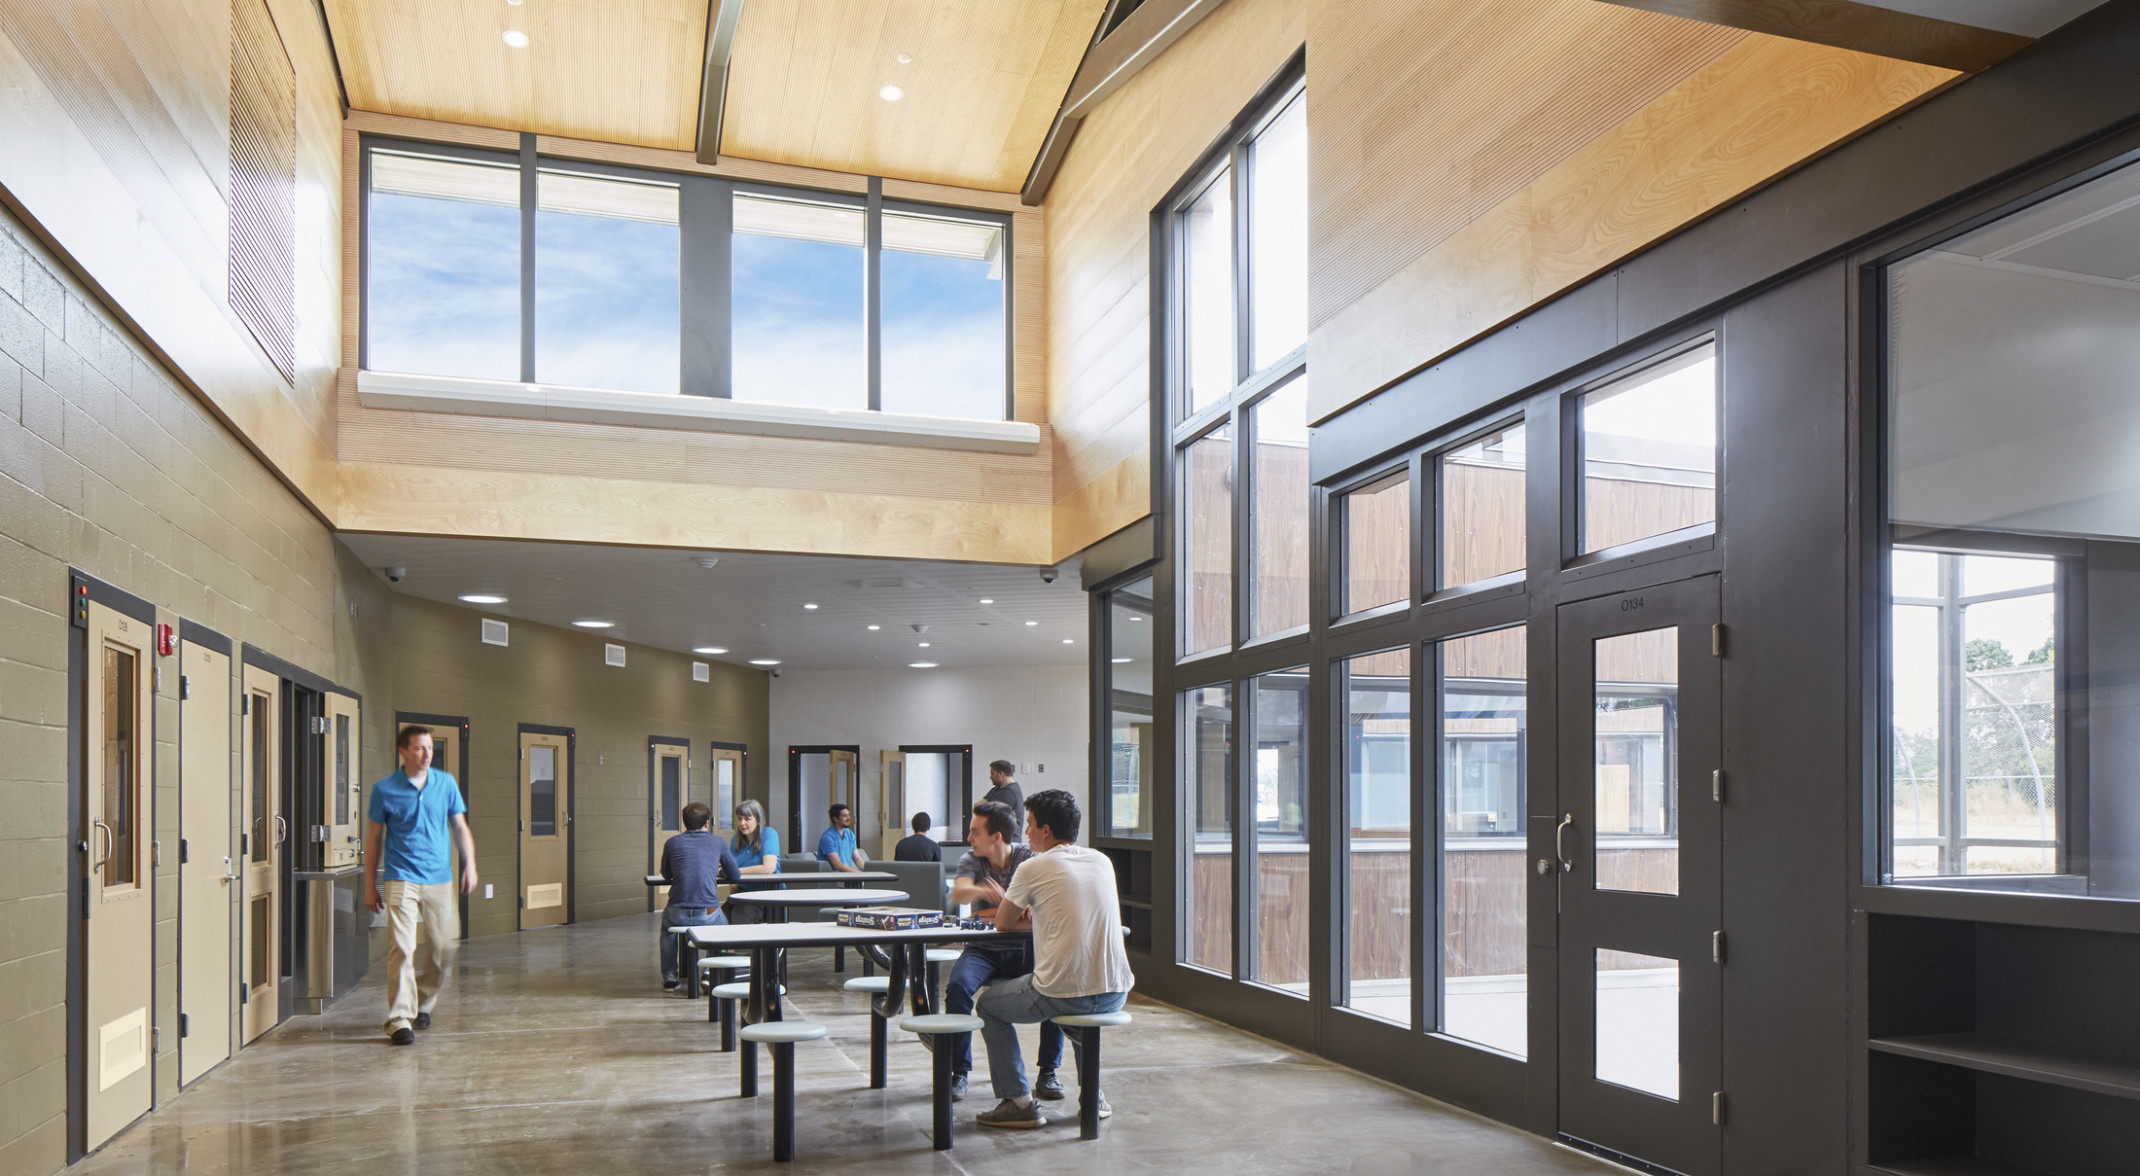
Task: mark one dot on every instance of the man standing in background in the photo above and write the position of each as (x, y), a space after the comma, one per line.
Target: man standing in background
(1003, 789)
(414, 809)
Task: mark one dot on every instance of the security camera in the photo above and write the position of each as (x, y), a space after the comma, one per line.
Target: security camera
(776, 671)
(1047, 575)
(396, 575)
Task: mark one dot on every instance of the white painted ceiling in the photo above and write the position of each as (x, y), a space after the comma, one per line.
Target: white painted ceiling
(752, 604)
(2029, 18)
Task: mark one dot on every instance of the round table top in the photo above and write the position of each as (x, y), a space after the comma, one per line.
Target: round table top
(823, 898)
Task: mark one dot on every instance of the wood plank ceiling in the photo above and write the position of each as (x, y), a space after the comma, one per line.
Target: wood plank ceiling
(982, 81)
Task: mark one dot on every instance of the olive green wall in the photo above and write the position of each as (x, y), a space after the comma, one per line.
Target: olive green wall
(556, 677)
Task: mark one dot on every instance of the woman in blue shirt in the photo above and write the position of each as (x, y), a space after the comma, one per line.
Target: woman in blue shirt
(757, 851)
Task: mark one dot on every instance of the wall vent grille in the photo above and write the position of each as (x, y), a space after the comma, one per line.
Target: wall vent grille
(263, 183)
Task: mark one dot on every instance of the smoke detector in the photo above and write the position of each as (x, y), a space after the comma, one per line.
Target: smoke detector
(706, 561)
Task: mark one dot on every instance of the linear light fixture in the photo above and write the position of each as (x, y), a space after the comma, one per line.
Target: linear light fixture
(721, 25)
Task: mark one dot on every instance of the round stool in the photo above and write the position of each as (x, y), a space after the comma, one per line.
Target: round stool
(874, 985)
(1085, 1030)
(937, 957)
(729, 997)
(725, 968)
(780, 1037)
(936, 1024)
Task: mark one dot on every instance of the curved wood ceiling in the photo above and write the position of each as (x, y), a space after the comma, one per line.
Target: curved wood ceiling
(983, 83)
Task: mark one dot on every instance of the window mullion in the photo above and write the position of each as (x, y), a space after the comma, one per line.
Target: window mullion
(530, 193)
(873, 290)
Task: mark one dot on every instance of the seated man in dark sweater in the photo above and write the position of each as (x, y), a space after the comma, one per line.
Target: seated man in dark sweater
(693, 862)
(918, 846)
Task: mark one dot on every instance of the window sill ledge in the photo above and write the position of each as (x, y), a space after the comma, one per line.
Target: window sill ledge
(706, 414)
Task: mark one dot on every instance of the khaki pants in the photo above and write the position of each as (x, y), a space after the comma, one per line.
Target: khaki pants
(415, 974)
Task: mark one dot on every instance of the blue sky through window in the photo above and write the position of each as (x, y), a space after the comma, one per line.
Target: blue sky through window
(444, 270)
(608, 276)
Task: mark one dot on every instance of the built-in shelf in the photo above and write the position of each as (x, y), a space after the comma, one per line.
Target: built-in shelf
(2099, 1074)
(1955, 1166)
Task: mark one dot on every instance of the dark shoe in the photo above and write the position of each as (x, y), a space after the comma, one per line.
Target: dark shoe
(671, 984)
(403, 1036)
(423, 1020)
(1011, 1115)
(1048, 1086)
(958, 1084)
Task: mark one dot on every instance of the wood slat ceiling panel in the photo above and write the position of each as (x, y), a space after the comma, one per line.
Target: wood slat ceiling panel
(984, 83)
(593, 69)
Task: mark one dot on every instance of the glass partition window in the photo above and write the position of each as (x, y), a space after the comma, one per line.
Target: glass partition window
(542, 792)
(1129, 691)
(943, 318)
(1207, 871)
(1649, 446)
(1485, 957)
(1278, 552)
(1207, 543)
(1278, 799)
(1482, 508)
(1635, 725)
(1975, 728)
(608, 283)
(2013, 612)
(796, 317)
(442, 267)
(1375, 969)
(1377, 525)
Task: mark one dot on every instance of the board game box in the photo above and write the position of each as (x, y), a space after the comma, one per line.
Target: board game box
(890, 918)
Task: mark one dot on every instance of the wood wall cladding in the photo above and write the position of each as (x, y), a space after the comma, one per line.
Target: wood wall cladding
(1758, 109)
(592, 69)
(981, 88)
(115, 143)
(1128, 153)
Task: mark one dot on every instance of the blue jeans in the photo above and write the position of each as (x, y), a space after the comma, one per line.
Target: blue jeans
(675, 916)
(1006, 1006)
(974, 970)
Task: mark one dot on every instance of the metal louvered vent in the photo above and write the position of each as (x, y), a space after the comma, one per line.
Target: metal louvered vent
(263, 183)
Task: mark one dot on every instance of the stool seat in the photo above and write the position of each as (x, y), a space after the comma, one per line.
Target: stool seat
(784, 1032)
(734, 990)
(934, 1023)
(869, 984)
(722, 961)
(942, 955)
(1092, 1020)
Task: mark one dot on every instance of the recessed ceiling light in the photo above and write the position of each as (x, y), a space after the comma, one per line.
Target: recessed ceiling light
(987, 600)
(710, 650)
(1069, 641)
(596, 624)
(1137, 618)
(812, 607)
(482, 598)
(1030, 624)
(921, 645)
(765, 661)
(874, 628)
(516, 38)
(921, 665)
(1120, 661)
(904, 58)
(891, 93)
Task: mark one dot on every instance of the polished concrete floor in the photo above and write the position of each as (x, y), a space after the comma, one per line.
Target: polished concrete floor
(557, 1052)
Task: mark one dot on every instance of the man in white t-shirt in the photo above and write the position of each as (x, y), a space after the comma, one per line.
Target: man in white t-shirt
(1066, 893)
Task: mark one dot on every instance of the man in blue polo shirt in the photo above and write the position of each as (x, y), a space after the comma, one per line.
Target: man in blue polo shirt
(836, 845)
(414, 809)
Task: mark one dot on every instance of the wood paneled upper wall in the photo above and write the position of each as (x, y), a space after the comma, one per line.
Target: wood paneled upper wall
(1433, 221)
(1128, 153)
(115, 144)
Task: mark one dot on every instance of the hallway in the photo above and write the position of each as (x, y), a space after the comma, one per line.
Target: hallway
(558, 1053)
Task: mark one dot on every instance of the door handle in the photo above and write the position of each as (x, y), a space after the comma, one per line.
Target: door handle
(282, 829)
(228, 877)
(109, 841)
(1560, 844)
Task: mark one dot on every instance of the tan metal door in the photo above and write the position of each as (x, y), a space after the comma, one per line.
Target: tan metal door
(260, 851)
(842, 783)
(121, 915)
(727, 786)
(667, 793)
(442, 759)
(342, 809)
(545, 830)
(207, 866)
(892, 798)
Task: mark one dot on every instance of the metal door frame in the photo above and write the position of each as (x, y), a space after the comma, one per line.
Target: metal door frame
(656, 895)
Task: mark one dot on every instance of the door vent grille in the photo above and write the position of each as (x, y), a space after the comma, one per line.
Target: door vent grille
(263, 184)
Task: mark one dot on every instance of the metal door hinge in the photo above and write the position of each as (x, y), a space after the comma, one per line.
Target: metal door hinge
(156, 1039)
(1716, 946)
(184, 1026)
(244, 997)
(245, 705)
(156, 679)
(245, 844)
(1716, 1108)
(319, 724)
(185, 687)
(1716, 786)
(156, 853)
(1716, 640)
(184, 852)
